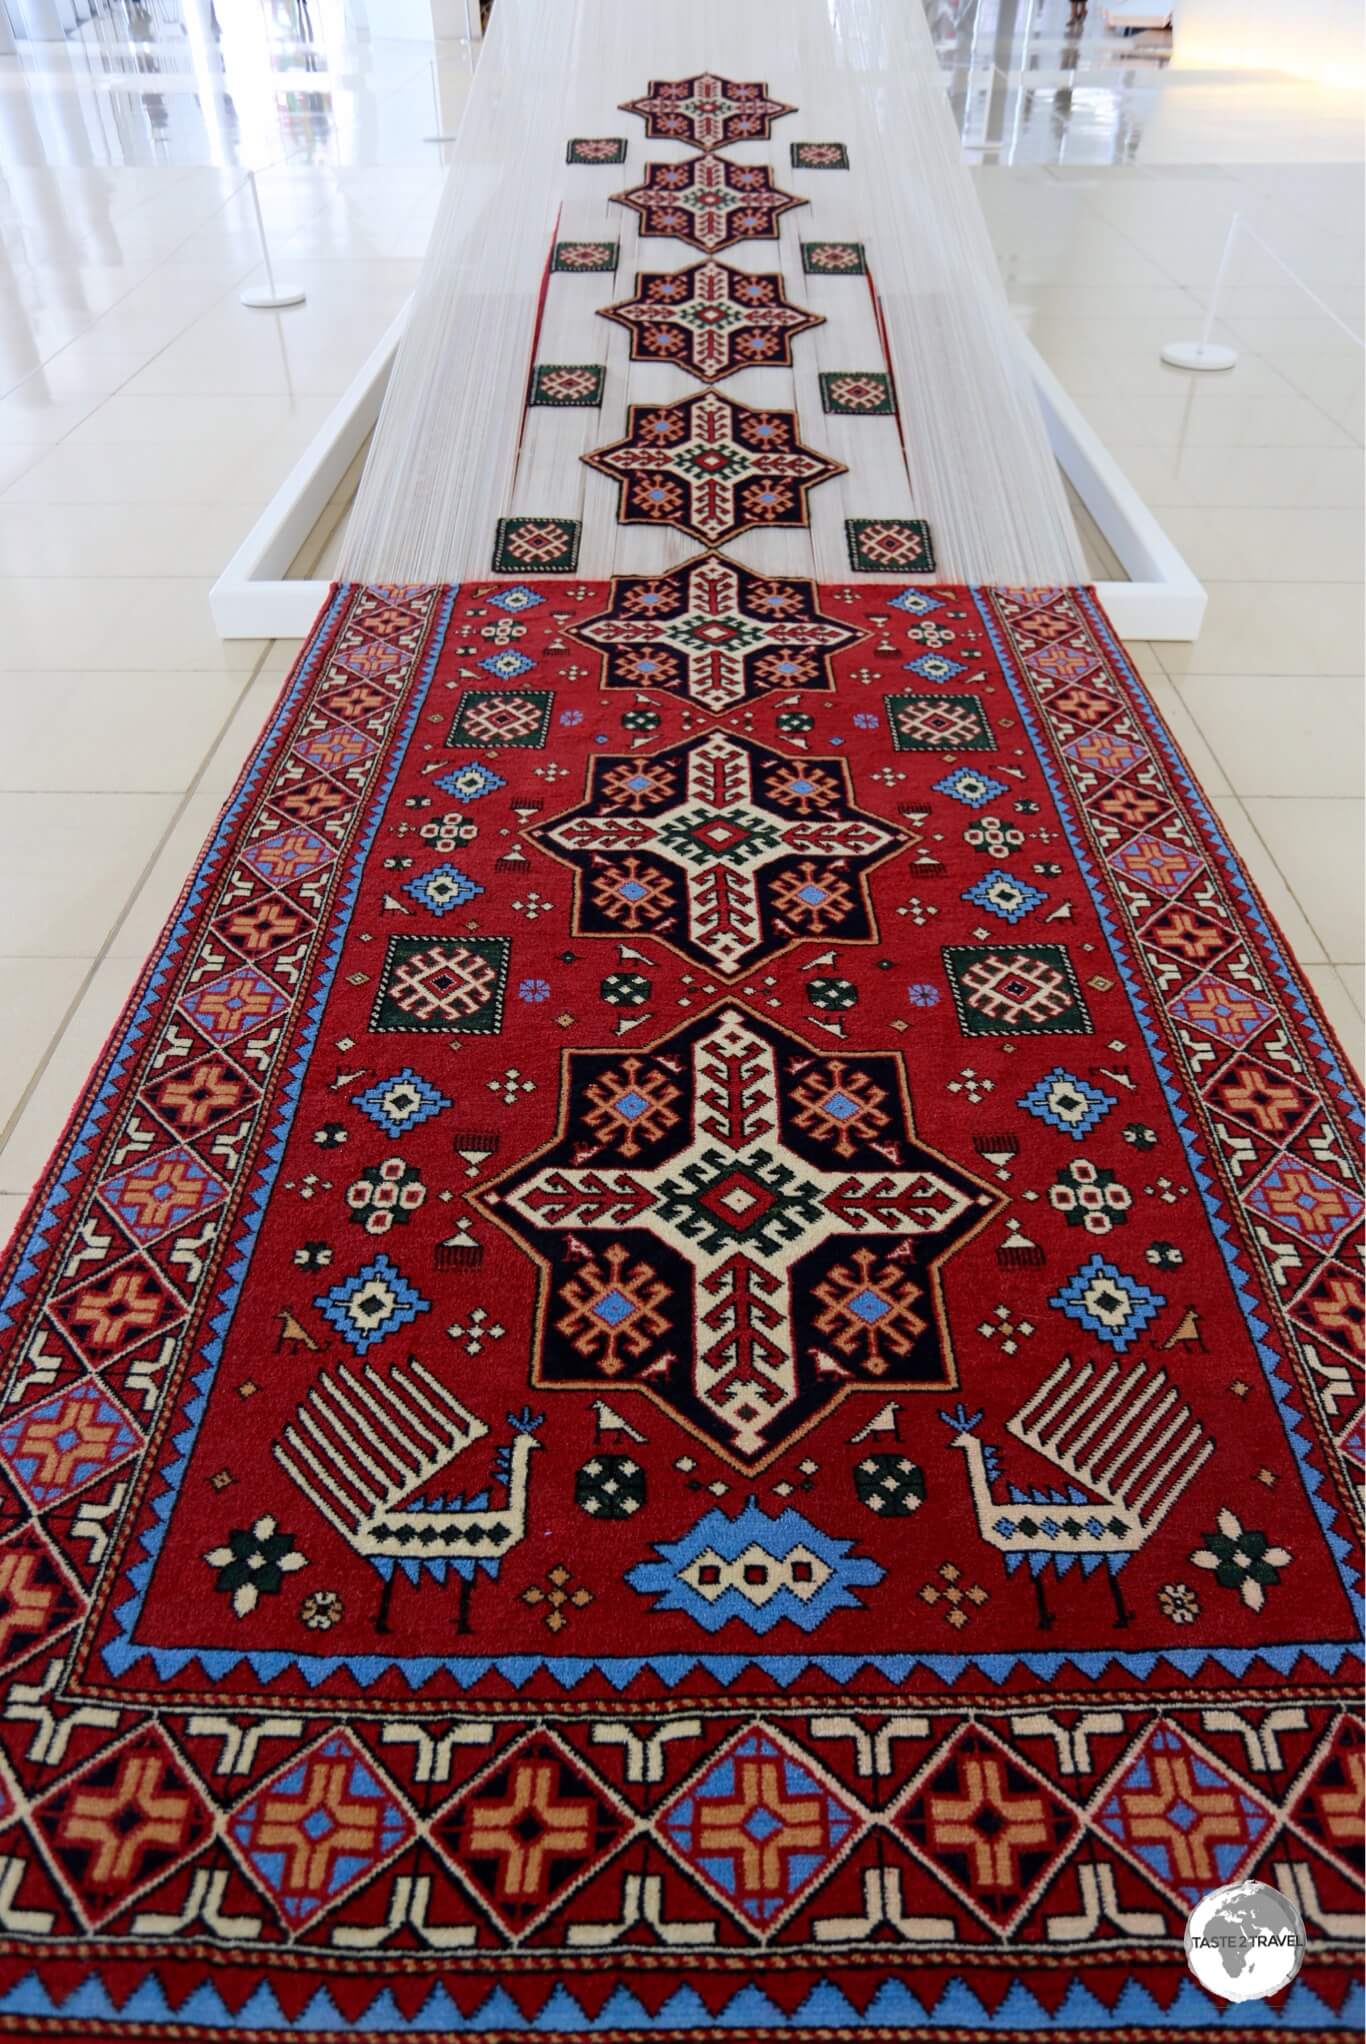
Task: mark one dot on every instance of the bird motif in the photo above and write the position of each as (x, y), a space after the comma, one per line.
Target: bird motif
(1128, 1446)
(364, 1449)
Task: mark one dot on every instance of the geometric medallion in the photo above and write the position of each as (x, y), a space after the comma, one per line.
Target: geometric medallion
(992, 1829)
(938, 723)
(711, 203)
(758, 1827)
(711, 320)
(857, 393)
(1192, 1825)
(1015, 990)
(718, 849)
(443, 984)
(707, 111)
(741, 1228)
(712, 467)
(715, 633)
(898, 546)
(318, 1827)
(502, 716)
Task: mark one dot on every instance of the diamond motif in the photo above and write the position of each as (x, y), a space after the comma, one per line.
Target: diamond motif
(1001, 894)
(536, 1824)
(1015, 990)
(401, 1103)
(897, 545)
(757, 1569)
(1190, 1824)
(758, 1826)
(1107, 1303)
(371, 1303)
(1071, 1105)
(938, 723)
(857, 393)
(443, 984)
(442, 890)
(991, 1827)
(319, 1827)
(53, 1448)
(539, 546)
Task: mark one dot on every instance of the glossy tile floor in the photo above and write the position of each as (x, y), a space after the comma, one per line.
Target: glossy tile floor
(146, 416)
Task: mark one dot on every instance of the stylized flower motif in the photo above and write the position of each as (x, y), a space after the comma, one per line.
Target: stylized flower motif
(386, 1193)
(253, 1563)
(569, 718)
(313, 1255)
(1241, 1560)
(448, 831)
(534, 990)
(1090, 1197)
(1140, 1135)
(1178, 1602)
(321, 1610)
(1165, 1255)
(865, 720)
(331, 1135)
(922, 995)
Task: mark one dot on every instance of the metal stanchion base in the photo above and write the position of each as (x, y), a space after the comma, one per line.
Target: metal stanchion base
(1199, 355)
(262, 300)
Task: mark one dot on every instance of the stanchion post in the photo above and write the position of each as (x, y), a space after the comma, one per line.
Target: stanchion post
(275, 295)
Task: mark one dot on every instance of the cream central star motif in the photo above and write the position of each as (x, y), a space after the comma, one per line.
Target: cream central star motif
(720, 849)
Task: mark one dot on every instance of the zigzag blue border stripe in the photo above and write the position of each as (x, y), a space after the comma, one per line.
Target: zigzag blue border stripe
(893, 2006)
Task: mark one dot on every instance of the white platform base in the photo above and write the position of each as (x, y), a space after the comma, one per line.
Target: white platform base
(1163, 599)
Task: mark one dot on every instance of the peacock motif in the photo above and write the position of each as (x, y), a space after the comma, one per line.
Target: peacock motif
(364, 1448)
(1128, 1446)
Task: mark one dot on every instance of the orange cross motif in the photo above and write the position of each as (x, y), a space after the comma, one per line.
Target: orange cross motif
(317, 1826)
(127, 1305)
(119, 1824)
(789, 1824)
(60, 1442)
(1019, 1823)
(1191, 1847)
(24, 1604)
(529, 1830)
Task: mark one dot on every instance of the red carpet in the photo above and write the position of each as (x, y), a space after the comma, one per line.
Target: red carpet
(694, 1356)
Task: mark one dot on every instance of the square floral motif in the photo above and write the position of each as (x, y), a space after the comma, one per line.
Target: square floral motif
(596, 149)
(568, 383)
(889, 546)
(586, 258)
(857, 393)
(833, 259)
(819, 156)
(536, 546)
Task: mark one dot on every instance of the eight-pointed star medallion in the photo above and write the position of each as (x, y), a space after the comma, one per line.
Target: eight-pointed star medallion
(716, 633)
(721, 849)
(712, 467)
(740, 1227)
(711, 320)
(707, 111)
(710, 202)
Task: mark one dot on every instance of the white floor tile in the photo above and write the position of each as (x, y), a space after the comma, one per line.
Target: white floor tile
(38, 1129)
(146, 733)
(1305, 628)
(1318, 846)
(35, 994)
(68, 864)
(1270, 733)
(1342, 1012)
(1269, 879)
(1290, 544)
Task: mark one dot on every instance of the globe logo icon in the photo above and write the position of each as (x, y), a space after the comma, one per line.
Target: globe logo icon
(1244, 1942)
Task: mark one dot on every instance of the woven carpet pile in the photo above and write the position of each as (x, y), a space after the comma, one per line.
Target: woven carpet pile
(694, 1360)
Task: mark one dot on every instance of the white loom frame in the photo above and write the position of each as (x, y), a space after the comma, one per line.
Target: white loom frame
(1163, 599)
